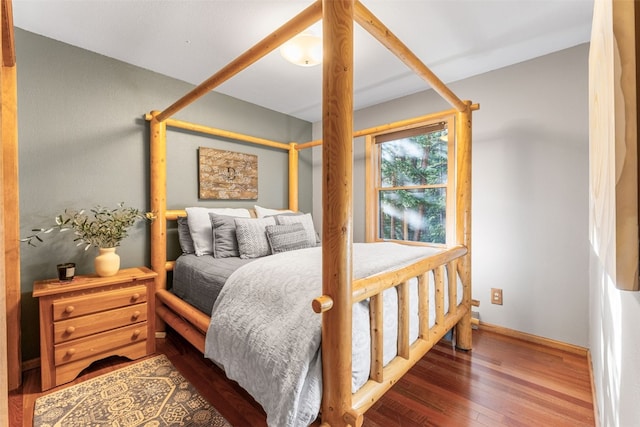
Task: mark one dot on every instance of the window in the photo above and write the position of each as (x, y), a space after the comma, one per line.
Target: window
(409, 174)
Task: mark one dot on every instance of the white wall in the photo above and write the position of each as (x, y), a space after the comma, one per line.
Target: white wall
(530, 190)
(615, 348)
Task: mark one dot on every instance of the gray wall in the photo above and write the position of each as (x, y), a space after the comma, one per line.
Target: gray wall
(530, 189)
(84, 142)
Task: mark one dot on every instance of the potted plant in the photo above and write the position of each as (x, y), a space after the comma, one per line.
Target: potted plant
(101, 227)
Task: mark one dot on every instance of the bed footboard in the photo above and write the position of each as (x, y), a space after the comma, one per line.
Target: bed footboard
(382, 378)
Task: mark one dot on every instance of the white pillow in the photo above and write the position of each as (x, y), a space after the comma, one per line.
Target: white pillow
(252, 236)
(200, 226)
(262, 212)
(306, 220)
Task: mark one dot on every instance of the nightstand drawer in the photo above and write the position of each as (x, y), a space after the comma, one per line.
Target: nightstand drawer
(99, 343)
(78, 327)
(67, 308)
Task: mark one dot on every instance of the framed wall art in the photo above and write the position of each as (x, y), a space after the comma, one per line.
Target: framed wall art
(227, 175)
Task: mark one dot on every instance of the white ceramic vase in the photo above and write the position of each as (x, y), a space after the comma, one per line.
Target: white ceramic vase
(107, 263)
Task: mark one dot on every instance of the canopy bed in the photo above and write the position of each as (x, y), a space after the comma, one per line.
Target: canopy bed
(432, 285)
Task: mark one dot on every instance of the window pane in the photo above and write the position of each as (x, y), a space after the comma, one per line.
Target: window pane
(413, 215)
(416, 160)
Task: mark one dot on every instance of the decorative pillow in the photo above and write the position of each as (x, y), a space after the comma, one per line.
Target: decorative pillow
(252, 236)
(263, 212)
(200, 226)
(225, 243)
(283, 238)
(307, 222)
(184, 237)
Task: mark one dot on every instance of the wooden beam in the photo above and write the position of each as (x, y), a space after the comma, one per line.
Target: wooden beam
(10, 190)
(181, 124)
(191, 314)
(337, 239)
(369, 286)
(8, 43)
(293, 176)
(181, 327)
(301, 22)
(4, 318)
(391, 126)
(463, 220)
(377, 29)
(158, 203)
(11, 221)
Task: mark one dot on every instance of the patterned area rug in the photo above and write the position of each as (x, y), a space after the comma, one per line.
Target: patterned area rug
(150, 393)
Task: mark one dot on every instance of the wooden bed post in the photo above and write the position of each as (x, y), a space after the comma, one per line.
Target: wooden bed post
(337, 239)
(293, 176)
(10, 194)
(158, 203)
(463, 220)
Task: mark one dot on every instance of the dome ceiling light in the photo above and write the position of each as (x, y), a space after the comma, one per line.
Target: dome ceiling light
(304, 50)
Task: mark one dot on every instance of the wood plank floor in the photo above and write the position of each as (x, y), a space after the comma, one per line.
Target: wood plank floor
(502, 382)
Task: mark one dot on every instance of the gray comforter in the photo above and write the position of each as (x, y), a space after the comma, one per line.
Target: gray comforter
(265, 336)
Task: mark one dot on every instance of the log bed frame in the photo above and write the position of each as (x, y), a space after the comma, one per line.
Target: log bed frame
(340, 291)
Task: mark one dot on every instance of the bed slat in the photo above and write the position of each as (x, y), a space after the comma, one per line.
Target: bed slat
(438, 273)
(403, 320)
(423, 305)
(377, 338)
(453, 289)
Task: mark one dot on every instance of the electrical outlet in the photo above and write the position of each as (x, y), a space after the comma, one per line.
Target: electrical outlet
(496, 296)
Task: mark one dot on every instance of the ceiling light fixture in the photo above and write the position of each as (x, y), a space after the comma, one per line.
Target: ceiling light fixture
(305, 50)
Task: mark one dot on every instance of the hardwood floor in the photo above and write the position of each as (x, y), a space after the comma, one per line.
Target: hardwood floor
(504, 381)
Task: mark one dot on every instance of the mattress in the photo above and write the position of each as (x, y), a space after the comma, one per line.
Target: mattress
(199, 279)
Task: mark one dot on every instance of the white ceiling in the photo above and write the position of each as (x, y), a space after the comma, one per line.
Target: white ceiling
(192, 39)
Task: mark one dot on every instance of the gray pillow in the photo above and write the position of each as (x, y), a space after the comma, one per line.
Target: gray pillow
(200, 226)
(184, 236)
(225, 244)
(305, 219)
(252, 236)
(284, 238)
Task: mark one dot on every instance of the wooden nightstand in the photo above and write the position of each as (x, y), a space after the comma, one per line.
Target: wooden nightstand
(94, 317)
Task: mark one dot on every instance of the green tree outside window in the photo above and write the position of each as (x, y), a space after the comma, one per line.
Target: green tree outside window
(412, 191)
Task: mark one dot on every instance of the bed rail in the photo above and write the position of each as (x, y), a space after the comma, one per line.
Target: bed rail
(382, 378)
(191, 324)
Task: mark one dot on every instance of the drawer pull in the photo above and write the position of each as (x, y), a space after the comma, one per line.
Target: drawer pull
(71, 352)
(135, 296)
(136, 315)
(69, 309)
(135, 334)
(70, 330)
